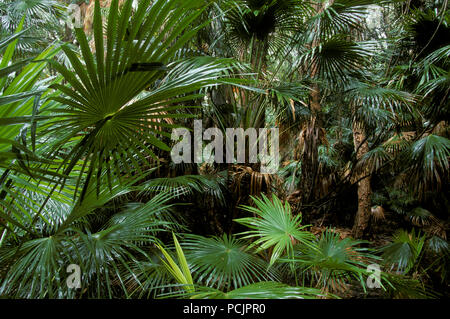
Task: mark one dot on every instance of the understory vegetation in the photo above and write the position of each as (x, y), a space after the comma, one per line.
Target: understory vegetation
(358, 89)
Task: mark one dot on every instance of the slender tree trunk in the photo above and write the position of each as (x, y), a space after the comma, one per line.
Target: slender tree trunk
(310, 159)
(311, 136)
(258, 61)
(364, 190)
(311, 141)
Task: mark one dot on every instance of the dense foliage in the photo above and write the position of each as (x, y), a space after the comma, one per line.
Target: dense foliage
(359, 90)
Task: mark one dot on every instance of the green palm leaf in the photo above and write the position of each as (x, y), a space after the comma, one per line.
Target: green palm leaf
(428, 159)
(187, 185)
(36, 270)
(224, 262)
(274, 227)
(180, 271)
(335, 58)
(259, 290)
(333, 262)
(404, 250)
(340, 16)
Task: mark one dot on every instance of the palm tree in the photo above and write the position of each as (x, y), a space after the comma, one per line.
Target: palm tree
(408, 142)
(370, 99)
(327, 57)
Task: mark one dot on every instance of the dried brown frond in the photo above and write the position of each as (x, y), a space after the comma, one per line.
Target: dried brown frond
(294, 199)
(437, 228)
(343, 232)
(257, 181)
(441, 129)
(399, 141)
(401, 181)
(317, 230)
(377, 213)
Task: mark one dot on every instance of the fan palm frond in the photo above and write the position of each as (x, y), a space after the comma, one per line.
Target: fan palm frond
(41, 19)
(266, 21)
(335, 58)
(404, 250)
(274, 226)
(185, 185)
(339, 16)
(373, 160)
(420, 216)
(148, 277)
(333, 262)
(37, 265)
(428, 159)
(99, 254)
(377, 104)
(224, 262)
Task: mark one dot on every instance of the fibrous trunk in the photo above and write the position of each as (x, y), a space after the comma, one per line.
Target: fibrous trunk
(364, 190)
(310, 139)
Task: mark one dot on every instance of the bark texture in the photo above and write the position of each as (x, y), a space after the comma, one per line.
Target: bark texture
(364, 190)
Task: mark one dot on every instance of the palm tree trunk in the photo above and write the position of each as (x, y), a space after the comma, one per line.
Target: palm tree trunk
(310, 150)
(310, 159)
(89, 13)
(258, 61)
(311, 136)
(364, 190)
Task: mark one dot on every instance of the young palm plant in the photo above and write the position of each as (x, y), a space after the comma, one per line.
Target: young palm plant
(404, 251)
(225, 262)
(36, 266)
(274, 227)
(333, 263)
(259, 290)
